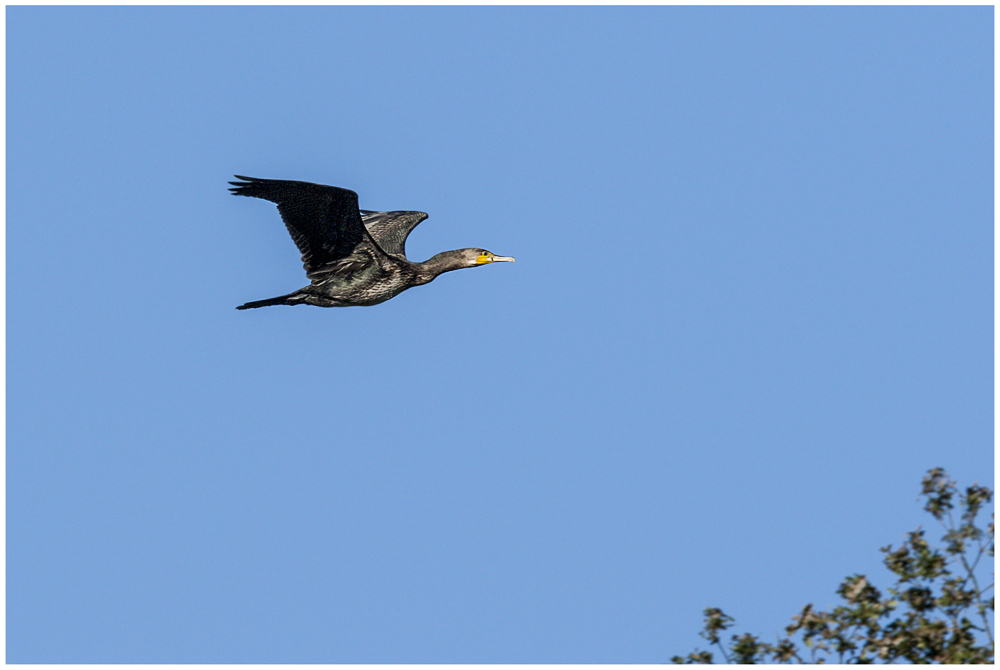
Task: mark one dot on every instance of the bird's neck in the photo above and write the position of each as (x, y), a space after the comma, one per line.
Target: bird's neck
(446, 261)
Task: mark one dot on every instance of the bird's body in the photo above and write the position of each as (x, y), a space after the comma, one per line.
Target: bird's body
(351, 256)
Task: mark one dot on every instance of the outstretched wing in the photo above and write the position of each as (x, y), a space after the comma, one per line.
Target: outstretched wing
(390, 229)
(324, 221)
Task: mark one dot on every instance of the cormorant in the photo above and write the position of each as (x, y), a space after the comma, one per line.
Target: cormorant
(352, 256)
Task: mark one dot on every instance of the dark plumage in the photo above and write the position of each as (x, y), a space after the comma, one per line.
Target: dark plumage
(352, 256)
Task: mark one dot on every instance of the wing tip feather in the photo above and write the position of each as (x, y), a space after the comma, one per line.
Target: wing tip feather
(241, 187)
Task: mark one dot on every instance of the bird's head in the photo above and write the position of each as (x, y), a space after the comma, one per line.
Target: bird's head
(446, 261)
(474, 257)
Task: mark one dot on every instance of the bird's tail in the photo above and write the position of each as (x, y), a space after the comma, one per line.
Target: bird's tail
(289, 299)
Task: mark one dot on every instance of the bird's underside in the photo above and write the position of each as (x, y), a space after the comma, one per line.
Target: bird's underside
(352, 257)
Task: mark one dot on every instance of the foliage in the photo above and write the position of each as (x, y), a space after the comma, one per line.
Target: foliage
(937, 611)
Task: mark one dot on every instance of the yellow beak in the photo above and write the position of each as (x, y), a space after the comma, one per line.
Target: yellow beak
(490, 258)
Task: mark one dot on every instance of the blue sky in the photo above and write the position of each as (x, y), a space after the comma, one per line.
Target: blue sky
(752, 305)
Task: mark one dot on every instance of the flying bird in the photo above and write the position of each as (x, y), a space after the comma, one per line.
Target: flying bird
(352, 256)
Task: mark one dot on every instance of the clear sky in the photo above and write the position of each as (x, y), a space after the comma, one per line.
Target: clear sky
(752, 305)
